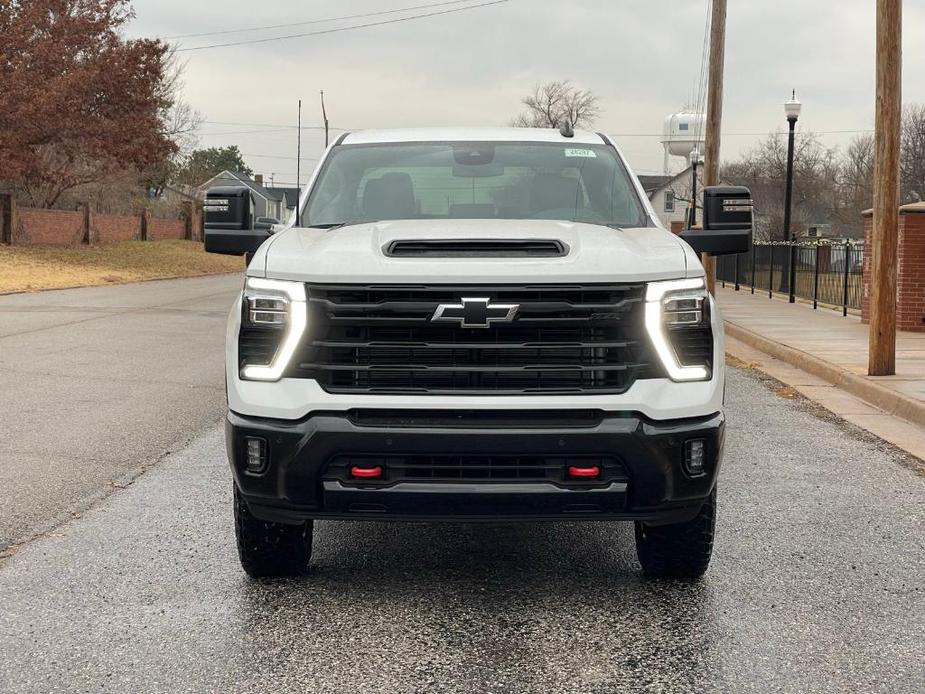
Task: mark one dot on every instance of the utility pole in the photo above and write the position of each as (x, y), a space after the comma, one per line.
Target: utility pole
(714, 115)
(324, 115)
(298, 160)
(885, 231)
(695, 162)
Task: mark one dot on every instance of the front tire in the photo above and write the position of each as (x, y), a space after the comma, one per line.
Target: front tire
(270, 550)
(680, 550)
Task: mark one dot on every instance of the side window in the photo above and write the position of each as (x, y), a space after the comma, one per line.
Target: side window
(669, 201)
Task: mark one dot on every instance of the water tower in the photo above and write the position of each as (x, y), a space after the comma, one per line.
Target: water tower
(684, 132)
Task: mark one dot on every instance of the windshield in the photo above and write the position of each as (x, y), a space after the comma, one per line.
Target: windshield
(474, 180)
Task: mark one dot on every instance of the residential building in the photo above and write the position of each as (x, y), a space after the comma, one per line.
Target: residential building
(670, 196)
(267, 203)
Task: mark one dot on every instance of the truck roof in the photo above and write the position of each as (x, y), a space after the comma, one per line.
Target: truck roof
(363, 137)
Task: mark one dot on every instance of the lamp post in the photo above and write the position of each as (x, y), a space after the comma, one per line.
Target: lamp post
(792, 108)
(696, 160)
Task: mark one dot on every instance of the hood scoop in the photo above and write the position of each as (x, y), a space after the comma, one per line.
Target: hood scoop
(477, 248)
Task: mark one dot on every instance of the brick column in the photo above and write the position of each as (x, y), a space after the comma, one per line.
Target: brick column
(143, 224)
(192, 220)
(868, 216)
(7, 214)
(910, 289)
(911, 279)
(87, 211)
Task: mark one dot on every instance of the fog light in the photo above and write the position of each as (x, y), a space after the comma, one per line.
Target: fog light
(695, 457)
(256, 455)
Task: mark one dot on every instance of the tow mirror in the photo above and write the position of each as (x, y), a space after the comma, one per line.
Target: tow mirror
(229, 228)
(727, 222)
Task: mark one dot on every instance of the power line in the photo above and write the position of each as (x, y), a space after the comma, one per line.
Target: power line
(271, 125)
(347, 28)
(317, 21)
(244, 132)
(276, 156)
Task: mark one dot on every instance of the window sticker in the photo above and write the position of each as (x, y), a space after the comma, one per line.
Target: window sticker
(586, 153)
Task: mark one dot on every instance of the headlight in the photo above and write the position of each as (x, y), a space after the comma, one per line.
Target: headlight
(272, 327)
(678, 323)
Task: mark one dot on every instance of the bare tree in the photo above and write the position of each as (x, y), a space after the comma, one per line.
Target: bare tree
(857, 177)
(553, 104)
(816, 183)
(912, 155)
(179, 123)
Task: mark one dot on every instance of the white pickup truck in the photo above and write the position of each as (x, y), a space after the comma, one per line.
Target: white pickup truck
(470, 325)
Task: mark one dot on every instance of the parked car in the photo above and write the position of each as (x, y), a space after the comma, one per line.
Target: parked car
(477, 325)
(266, 223)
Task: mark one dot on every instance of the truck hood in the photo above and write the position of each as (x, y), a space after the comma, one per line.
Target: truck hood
(358, 254)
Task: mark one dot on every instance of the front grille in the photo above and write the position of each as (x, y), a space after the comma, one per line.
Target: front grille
(564, 339)
(476, 468)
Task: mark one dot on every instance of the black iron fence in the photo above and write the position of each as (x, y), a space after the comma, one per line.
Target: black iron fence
(828, 273)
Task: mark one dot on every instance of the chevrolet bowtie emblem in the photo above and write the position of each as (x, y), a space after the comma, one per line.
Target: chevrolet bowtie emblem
(475, 313)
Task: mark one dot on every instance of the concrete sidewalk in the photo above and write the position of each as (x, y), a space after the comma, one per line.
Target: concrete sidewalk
(834, 350)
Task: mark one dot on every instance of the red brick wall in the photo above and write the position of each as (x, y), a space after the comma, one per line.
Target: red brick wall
(66, 228)
(160, 229)
(52, 227)
(110, 228)
(910, 289)
(868, 252)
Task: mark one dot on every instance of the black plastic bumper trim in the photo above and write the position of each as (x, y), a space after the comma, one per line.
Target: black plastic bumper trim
(295, 486)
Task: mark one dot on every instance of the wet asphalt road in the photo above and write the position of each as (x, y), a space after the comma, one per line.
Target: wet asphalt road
(97, 383)
(816, 586)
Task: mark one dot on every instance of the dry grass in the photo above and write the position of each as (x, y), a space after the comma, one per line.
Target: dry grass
(31, 268)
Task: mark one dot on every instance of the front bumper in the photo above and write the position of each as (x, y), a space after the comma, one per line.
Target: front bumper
(298, 482)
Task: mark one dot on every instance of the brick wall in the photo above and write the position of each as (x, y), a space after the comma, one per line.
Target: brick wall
(910, 289)
(52, 227)
(160, 229)
(910, 282)
(108, 228)
(24, 225)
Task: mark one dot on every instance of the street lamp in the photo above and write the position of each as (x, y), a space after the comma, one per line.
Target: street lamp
(696, 159)
(792, 108)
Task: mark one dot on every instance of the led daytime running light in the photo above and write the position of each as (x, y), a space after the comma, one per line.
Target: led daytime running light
(656, 293)
(296, 324)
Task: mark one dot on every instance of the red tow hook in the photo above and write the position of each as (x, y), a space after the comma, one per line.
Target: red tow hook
(366, 473)
(584, 473)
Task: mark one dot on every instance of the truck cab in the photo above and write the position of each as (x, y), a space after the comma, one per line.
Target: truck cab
(476, 325)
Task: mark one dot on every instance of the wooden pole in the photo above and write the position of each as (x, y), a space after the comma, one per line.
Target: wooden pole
(885, 233)
(714, 115)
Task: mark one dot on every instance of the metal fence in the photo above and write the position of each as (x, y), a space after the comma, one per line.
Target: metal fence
(826, 273)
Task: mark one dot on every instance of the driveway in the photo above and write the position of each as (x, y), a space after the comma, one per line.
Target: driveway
(96, 384)
(816, 586)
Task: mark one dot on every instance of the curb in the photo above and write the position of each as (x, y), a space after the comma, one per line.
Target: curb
(860, 386)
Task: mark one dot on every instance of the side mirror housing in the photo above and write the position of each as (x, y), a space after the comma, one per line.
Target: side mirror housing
(229, 214)
(727, 222)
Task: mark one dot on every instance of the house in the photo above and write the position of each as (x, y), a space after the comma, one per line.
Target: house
(267, 203)
(290, 198)
(670, 196)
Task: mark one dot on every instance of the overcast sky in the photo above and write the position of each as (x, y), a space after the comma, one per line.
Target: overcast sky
(642, 57)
